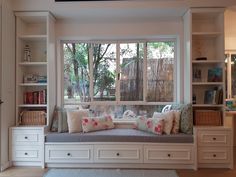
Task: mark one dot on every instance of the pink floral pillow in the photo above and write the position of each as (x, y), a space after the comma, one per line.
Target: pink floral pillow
(150, 125)
(97, 123)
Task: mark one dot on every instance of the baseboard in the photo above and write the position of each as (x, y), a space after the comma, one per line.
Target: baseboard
(6, 165)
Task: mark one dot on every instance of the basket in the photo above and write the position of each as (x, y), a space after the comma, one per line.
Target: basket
(33, 118)
(207, 117)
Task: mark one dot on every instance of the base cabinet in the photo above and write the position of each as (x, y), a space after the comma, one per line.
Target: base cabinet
(215, 147)
(27, 146)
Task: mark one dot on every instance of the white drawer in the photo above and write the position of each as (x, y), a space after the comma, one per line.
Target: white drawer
(69, 153)
(26, 153)
(118, 153)
(214, 155)
(167, 154)
(27, 137)
(214, 138)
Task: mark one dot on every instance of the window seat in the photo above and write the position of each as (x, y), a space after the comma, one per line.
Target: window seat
(119, 135)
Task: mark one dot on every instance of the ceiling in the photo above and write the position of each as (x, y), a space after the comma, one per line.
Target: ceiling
(117, 10)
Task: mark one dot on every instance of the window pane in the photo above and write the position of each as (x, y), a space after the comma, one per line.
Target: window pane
(160, 69)
(76, 72)
(131, 71)
(104, 67)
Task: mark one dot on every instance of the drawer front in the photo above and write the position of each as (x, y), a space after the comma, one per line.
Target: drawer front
(167, 154)
(219, 138)
(27, 137)
(214, 155)
(69, 153)
(26, 153)
(118, 153)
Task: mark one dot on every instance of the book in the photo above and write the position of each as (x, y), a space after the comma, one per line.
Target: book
(197, 74)
(215, 75)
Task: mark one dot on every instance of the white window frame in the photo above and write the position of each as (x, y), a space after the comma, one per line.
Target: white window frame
(60, 66)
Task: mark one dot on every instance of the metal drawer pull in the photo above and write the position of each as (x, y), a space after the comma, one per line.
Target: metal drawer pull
(214, 155)
(68, 154)
(213, 138)
(26, 137)
(26, 153)
(117, 154)
(168, 155)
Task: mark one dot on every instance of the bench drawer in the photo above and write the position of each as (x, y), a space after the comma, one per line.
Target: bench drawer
(214, 138)
(118, 153)
(26, 153)
(214, 155)
(167, 154)
(69, 153)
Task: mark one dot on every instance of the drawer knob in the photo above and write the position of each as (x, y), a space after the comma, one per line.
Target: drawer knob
(214, 155)
(68, 154)
(117, 154)
(168, 155)
(26, 137)
(214, 138)
(26, 153)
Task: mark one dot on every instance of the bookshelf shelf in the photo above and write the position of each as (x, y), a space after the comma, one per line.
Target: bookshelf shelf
(207, 83)
(208, 105)
(33, 37)
(33, 63)
(32, 105)
(32, 84)
(208, 62)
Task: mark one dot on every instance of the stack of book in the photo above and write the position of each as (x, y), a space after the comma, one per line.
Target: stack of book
(214, 96)
(35, 97)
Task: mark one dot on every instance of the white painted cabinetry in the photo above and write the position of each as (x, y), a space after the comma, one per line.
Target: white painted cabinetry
(27, 146)
(215, 148)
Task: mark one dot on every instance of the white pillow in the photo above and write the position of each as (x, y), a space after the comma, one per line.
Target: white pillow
(175, 128)
(74, 120)
(168, 118)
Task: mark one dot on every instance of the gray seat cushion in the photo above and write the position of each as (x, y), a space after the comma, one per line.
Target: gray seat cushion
(119, 135)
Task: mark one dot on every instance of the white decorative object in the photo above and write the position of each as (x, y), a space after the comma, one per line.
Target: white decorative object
(27, 53)
(128, 114)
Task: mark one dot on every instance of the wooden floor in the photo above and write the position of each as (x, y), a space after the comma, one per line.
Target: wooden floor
(38, 172)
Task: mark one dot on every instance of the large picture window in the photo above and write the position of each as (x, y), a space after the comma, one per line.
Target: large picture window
(121, 72)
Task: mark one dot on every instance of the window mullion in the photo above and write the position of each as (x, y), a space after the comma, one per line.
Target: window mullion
(145, 73)
(117, 72)
(91, 72)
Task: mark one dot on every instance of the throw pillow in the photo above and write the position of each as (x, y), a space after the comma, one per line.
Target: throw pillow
(74, 119)
(149, 124)
(175, 128)
(62, 120)
(168, 118)
(97, 123)
(186, 117)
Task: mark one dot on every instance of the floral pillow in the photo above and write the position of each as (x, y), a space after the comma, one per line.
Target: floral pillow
(97, 123)
(168, 118)
(149, 124)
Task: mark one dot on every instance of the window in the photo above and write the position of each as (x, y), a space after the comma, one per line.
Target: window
(137, 72)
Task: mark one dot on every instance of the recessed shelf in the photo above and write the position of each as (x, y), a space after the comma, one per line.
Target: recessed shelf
(33, 37)
(208, 61)
(33, 84)
(32, 105)
(208, 105)
(208, 83)
(206, 34)
(32, 63)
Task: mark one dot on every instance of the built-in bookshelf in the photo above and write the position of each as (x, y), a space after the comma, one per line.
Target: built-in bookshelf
(35, 56)
(204, 44)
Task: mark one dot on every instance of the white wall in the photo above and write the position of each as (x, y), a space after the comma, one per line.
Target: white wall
(7, 79)
(125, 30)
(230, 29)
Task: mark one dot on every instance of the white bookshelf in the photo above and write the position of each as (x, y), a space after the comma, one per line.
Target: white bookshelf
(204, 45)
(35, 29)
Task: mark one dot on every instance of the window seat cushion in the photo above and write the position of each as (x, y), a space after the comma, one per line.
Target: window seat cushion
(119, 135)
